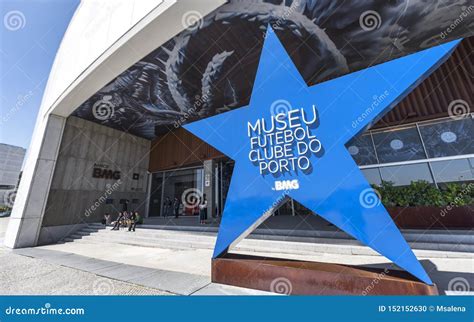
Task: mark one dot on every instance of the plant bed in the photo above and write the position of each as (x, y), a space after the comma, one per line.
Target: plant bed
(431, 217)
(421, 205)
(297, 277)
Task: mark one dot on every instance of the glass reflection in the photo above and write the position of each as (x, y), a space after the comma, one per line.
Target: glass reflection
(180, 184)
(448, 138)
(403, 175)
(155, 194)
(362, 150)
(372, 176)
(453, 170)
(399, 145)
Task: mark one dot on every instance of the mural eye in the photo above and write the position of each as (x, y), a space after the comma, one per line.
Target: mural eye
(448, 137)
(396, 144)
(353, 150)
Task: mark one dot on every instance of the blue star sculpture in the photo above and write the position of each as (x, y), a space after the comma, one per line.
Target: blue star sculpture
(289, 142)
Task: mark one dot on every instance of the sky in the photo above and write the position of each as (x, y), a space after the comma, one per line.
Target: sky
(30, 35)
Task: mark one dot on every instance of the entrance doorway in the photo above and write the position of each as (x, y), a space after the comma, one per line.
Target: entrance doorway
(188, 183)
(184, 184)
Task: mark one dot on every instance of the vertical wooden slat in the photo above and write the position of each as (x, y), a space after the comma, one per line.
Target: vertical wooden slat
(451, 81)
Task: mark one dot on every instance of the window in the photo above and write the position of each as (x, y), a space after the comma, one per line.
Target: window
(399, 145)
(448, 138)
(403, 175)
(453, 170)
(362, 150)
(372, 176)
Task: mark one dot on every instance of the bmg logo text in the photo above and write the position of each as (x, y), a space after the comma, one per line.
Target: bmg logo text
(286, 185)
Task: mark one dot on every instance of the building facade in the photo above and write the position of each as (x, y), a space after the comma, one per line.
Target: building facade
(109, 133)
(427, 137)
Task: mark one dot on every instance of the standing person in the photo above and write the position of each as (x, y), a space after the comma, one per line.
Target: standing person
(133, 221)
(203, 210)
(167, 207)
(107, 219)
(176, 205)
(118, 221)
(125, 205)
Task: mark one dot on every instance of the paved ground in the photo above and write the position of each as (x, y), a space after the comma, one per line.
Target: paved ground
(3, 228)
(197, 261)
(191, 261)
(81, 268)
(38, 271)
(22, 275)
(46, 271)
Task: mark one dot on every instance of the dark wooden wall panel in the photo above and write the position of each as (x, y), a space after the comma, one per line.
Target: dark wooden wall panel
(451, 81)
(179, 148)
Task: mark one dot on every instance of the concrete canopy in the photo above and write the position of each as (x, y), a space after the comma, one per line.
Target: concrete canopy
(210, 67)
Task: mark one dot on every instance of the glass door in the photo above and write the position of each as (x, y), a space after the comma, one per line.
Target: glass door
(185, 185)
(156, 194)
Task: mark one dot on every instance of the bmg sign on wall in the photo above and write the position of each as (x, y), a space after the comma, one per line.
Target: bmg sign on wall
(102, 171)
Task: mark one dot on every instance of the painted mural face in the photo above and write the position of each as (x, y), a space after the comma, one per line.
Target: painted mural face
(210, 68)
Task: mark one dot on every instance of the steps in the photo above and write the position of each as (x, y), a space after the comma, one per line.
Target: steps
(420, 237)
(435, 244)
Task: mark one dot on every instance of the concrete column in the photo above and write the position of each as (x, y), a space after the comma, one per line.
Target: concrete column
(148, 192)
(209, 187)
(28, 210)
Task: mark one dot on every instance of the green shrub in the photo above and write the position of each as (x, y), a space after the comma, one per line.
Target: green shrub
(422, 193)
(459, 195)
(4, 208)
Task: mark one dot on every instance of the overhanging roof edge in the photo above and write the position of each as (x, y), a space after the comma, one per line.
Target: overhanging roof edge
(160, 23)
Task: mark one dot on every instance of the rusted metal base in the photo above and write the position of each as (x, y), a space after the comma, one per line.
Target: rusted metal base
(313, 278)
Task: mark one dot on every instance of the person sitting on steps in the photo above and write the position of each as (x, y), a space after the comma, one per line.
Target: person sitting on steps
(118, 221)
(133, 221)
